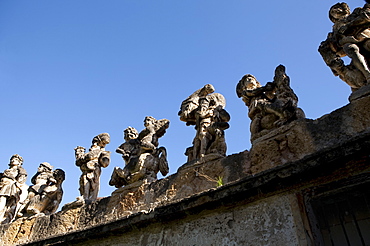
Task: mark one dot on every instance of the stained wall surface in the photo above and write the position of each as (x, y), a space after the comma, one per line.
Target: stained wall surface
(272, 221)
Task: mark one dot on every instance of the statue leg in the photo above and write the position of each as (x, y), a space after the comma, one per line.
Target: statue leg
(366, 45)
(2, 207)
(204, 144)
(255, 126)
(84, 187)
(358, 60)
(196, 147)
(94, 189)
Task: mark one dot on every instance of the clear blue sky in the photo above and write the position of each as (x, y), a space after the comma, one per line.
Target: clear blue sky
(70, 70)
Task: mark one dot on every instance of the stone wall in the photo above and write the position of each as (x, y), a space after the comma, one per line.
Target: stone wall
(264, 222)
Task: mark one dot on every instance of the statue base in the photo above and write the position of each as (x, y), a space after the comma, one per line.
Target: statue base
(362, 92)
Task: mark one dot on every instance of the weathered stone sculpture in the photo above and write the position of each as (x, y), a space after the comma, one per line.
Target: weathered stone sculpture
(46, 193)
(205, 110)
(40, 179)
(90, 164)
(270, 106)
(350, 37)
(143, 159)
(13, 189)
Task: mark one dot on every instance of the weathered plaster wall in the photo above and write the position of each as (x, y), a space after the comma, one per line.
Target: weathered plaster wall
(271, 221)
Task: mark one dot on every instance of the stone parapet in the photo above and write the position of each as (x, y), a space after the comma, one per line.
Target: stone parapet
(241, 199)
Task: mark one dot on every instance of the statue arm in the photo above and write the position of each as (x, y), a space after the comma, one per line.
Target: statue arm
(33, 180)
(363, 18)
(121, 150)
(253, 93)
(351, 39)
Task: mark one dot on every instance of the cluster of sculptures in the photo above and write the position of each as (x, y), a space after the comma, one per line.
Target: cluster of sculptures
(350, 37)
(270, 106)
(141, 154)
(18, 199)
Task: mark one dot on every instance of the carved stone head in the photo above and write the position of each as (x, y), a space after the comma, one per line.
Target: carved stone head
(101, 140)
(247, 82)
(207, 89)
(216, 100)
(16, 160)
(79, 151)
(59, 175)
(149, 120)
(130, 133)
(45, 167)
(338, 11)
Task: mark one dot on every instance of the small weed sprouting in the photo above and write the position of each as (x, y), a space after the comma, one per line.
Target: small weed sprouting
(220, 182)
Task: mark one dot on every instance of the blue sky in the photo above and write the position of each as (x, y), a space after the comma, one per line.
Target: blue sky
(70, 70)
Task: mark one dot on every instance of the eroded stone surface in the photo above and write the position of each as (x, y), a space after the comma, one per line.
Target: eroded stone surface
(143, 158)
(13, 190)
(305, 136)
(205, 110)
(349, 37)
(267, 222)
(90, 164)
(270, 106)
(46, 193)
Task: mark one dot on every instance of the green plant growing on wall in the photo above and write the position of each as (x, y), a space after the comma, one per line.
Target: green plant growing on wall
(219, 181)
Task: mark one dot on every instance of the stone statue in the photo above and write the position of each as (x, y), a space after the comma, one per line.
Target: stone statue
(40, 179)
(131, 148)
(350, 37)
(270, 106)
(143, 159)
(90, 164)
(46, 193)
(205, 110)
(13, 189)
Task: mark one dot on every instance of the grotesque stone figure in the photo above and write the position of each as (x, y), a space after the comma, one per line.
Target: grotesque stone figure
(143, 159)
(350, 37)
(270, 106)
(90, 164)
(205, 110)
(47, 192)
(13, 189)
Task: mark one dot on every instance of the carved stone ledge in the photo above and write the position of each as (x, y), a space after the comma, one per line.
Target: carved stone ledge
(362, 92)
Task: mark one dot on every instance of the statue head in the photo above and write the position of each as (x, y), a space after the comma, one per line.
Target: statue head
(216, 100)
(59, 175)
(79, 150)
(16, 160)
(247, 82)
(338, 11)
(130, 133)
(44, 167)
(207, 89)
(149, 120)
(101, 140)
